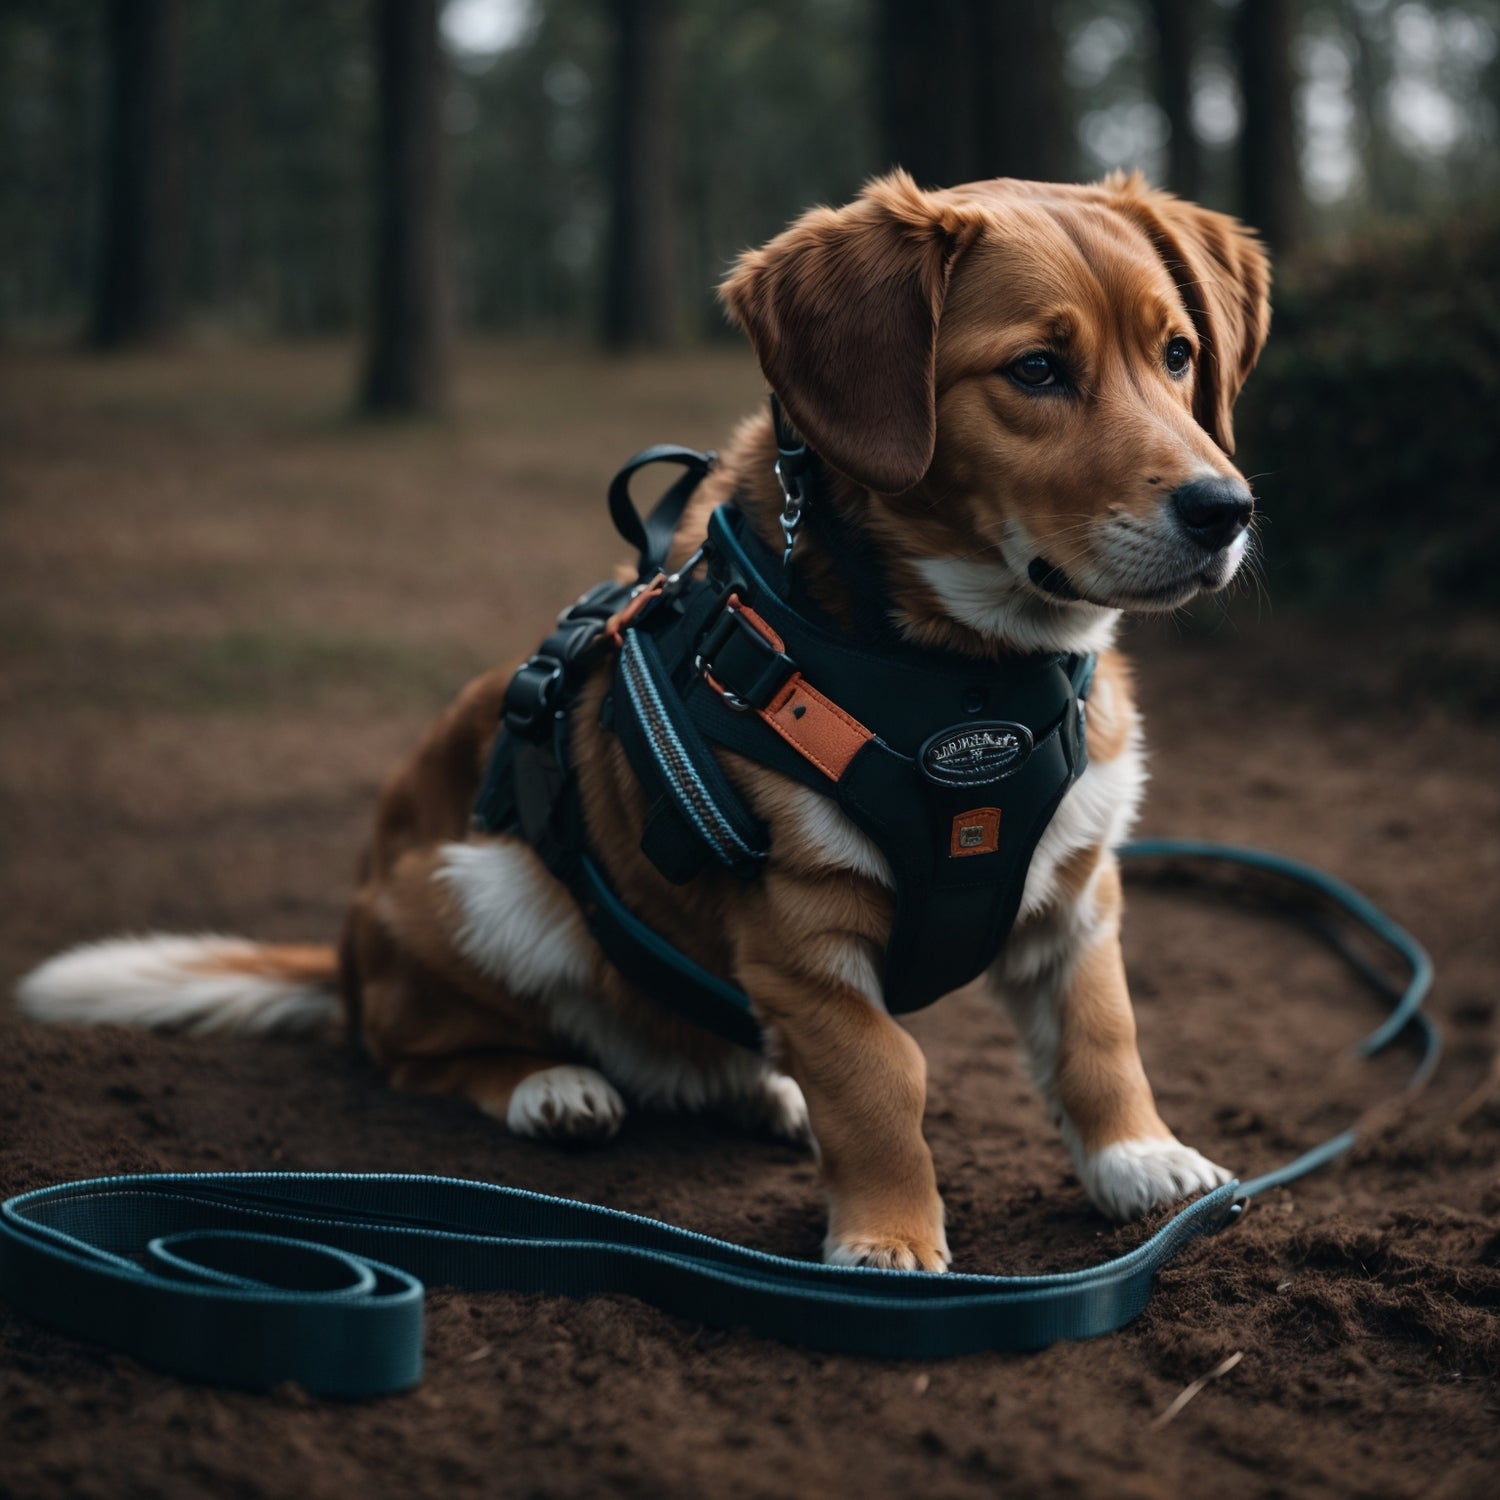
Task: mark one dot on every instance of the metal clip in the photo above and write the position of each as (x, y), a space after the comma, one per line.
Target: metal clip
(674, 580)
(791, 512)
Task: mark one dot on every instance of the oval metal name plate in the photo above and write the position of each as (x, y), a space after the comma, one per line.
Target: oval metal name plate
(974, 754)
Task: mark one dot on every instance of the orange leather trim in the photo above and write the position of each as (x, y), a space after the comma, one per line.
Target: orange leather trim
(816, 728)
(975, 832)
(733, 602)
(619, 621)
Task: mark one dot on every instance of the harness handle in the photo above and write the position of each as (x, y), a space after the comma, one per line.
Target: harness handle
(652, 538)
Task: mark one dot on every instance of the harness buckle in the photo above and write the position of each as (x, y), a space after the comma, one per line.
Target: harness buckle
(738, 661)
(533, 694)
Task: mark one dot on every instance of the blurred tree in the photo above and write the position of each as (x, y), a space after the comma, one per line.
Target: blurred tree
(757, 153)
(278, 163)
(1023, 117)
(136, 291)
(1270, 177)
(1176, 23)
(1370, 82)
(969, 89)
(407, 364)
(779, 104)
(641, 273)
(925, 90)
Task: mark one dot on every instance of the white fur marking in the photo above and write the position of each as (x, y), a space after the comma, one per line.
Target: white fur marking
(883, 1257)
(785, 1108)
(1130, 1178)
(514, 927)
(168, 984)
(850, 962)
(565, 1103)
(989, 599)
(1098, 811)
(832, 836)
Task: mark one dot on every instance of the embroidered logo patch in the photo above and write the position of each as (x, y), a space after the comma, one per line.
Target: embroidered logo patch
(973, 754)
(975, 832)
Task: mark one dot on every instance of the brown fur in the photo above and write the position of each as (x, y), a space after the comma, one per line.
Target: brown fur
(290, 963)
(881, 325)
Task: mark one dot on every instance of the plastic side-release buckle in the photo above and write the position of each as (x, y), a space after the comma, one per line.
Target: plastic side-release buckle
(534, 694)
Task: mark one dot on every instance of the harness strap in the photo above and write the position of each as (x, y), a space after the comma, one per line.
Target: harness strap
(254, 1278)
(813, 725)
(667, 751)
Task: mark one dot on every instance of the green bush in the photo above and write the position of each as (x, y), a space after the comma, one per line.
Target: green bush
(1372, 425)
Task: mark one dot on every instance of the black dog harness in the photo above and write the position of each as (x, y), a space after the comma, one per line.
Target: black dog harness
(952, 766)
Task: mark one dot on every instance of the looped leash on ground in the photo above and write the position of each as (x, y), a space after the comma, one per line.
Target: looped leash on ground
(253, 1278)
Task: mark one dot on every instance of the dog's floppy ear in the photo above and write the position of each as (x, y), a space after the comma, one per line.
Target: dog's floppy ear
(1224, 277)
(842, 310)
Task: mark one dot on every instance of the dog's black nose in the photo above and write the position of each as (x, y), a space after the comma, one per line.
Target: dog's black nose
(1214, 511)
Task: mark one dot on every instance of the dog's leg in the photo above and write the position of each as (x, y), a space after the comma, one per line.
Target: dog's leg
(865, 1083)
(1062, 978)
(454, 1033)
(535, 1096)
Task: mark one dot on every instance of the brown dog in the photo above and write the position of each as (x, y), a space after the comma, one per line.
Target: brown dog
(1023, 394)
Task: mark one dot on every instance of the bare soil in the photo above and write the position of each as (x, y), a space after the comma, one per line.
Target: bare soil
(226, 608)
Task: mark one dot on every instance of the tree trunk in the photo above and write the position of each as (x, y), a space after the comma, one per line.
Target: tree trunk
(925, 89)
(970, 89)
(642, 292)
(1022, 122)
(1270, 180)
(1176, 35)
(1369, 81)
(136, 292)
(407, 366)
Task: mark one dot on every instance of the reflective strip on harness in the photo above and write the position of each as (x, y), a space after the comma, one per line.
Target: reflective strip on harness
(673, 761)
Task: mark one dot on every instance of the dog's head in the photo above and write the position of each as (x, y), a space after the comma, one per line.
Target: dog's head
(1035, 383)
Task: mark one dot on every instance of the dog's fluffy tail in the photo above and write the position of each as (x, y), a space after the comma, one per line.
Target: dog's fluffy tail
(194, 984)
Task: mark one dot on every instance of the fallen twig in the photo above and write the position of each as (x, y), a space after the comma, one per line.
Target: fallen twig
(1223, 1367)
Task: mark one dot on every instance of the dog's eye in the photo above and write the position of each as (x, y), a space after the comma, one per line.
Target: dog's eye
(1035, 369)
(1179, 356)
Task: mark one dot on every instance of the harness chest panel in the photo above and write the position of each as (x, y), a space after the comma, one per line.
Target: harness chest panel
(951, 766)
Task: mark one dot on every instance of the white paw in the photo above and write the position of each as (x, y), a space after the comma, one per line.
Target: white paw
(565, 1103)
(783, 1109)
(1129, 1178)
(889, 1254)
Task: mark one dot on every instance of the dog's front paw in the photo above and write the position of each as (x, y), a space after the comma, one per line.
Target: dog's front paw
(1130, 1178)
(565, 1103)
(890, 1248)
(888, 1254)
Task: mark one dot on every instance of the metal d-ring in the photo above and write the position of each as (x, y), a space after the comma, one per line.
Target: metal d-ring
(738, 704)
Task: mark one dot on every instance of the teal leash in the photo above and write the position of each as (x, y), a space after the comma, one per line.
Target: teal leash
(1406, 1011)
(254, 1278)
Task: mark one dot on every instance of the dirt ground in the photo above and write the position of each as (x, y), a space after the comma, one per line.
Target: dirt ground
(225, 609)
